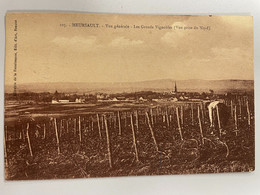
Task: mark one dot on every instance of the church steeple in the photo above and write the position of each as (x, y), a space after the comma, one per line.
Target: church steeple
(175, 88)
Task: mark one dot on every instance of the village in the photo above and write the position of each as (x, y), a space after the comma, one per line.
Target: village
(140, 97)
(132, 97)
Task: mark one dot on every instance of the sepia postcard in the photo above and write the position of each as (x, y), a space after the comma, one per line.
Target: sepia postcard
(105, 95)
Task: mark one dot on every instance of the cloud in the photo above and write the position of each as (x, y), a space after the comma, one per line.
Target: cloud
(77, 42)
(176, 35)
(228, 53)
(238, 21)
(91, 43)
(171, 38)
(124, 42)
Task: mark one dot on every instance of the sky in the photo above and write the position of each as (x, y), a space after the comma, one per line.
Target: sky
(49, 52)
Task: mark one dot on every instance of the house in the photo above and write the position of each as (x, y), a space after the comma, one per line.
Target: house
(141, 99)
(101, 96)
(64, 101)
(60, 101)
(174, 99)
(115, 100)
(181, 98)
(79, 100)
(121, 98)
(195, 99)
(54, 102)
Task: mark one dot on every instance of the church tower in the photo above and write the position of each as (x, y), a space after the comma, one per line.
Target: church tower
(175, 88)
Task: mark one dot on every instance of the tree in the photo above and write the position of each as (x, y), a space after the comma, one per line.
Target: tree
(211, 91)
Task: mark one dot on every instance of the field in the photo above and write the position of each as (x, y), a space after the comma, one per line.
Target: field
(47, 141)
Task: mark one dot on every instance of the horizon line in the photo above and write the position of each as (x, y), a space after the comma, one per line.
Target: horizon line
(130, 81)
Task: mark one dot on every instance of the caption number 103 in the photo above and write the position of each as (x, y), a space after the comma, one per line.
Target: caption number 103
(63, 25)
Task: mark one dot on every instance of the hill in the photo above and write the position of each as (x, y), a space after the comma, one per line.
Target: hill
(219, 86)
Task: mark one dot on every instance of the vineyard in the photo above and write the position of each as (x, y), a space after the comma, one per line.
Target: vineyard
(126, 139)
